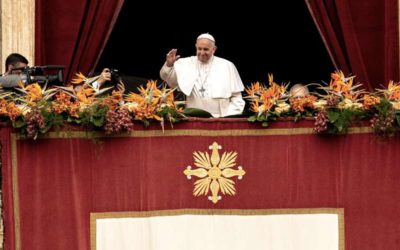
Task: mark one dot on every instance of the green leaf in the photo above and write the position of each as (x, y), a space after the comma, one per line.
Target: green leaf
(146, 122)
(333, 115)
(193, 112)
(46, 128)
(98, 121)
(297, 117)
(252, 118)
(73, 120)
(235, 116)
(261, 118)
(264, 124)
(398, 119)
(339, 127)
(18, 123)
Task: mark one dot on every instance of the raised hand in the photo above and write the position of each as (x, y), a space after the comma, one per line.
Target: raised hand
(172, 57)
(104, 76)
(121, 86)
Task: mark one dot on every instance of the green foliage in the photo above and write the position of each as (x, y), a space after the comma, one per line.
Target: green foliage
(73, 120)
(145, 122)
(385, 118)
(193, 112)
(297, 115)
(51, 119)
(341, 119)
(93, 116)
(169, 114)
(19, 122)
(264, 118)
(252, 118)
(384, 107)
(398, 118)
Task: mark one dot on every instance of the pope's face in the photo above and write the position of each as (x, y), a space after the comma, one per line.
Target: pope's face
(204, 49)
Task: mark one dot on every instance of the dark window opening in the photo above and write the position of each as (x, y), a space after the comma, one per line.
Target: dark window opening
(276, 39)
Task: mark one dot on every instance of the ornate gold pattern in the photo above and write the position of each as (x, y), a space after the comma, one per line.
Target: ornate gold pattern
(190, 132)
(214, 173)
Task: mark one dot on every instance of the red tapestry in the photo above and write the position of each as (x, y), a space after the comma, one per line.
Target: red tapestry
(52, 184)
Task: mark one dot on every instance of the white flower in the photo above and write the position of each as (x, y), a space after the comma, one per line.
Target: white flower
(131, 105)
(25, 109)
(261, 110)
(320, 104)
(348, 104)
(396, 105)
(282, 107)
(83, 106)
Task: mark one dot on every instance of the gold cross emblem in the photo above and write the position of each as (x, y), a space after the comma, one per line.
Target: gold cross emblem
(214, 173)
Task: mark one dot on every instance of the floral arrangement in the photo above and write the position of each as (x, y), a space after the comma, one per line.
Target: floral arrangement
(386, 109)
(335, 106)
(268, 103)
(340, 106)
(35, 110)
(153, 103)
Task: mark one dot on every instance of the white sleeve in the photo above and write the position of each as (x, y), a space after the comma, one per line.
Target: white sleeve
(168, 74)
(236, 104)
(96, 86)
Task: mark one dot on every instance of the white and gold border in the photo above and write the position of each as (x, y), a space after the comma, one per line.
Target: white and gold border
(314, 227)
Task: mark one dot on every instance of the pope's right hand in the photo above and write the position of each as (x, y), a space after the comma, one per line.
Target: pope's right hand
(172, 57)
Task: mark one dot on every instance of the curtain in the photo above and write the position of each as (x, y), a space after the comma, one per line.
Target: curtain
(73, 33)
(361, 37)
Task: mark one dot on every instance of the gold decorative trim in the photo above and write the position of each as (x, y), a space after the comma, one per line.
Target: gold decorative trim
(190, 211)
(14, 162)
(93, 230)
(242, 212)
(341, 229)
(192, 132)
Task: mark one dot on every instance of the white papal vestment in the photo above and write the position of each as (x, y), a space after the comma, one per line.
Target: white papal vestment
(214, 86)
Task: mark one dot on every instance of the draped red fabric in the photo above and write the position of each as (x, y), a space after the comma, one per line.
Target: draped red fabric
(6, 179)
(73, 33)
(361, 36)
(63, 178)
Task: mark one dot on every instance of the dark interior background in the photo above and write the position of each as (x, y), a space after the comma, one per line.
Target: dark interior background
(278, 37)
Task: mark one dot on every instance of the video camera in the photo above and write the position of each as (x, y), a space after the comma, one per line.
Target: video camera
(50, 74)
(115, 77)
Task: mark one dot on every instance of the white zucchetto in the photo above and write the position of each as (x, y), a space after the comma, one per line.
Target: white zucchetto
(206, 36)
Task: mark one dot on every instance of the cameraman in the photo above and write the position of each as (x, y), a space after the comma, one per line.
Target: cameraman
(106, 76)
(14, 61)
(103, 78)
(11, 77)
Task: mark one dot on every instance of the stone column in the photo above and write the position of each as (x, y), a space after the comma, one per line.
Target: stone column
(17, 35)
(17, 29)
